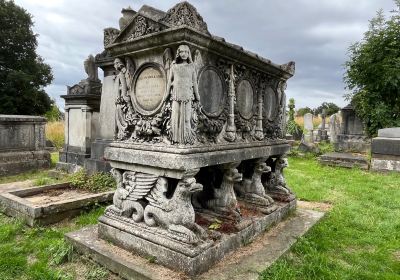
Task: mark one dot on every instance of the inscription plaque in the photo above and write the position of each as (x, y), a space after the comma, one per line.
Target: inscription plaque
(149, 88)
(270, 104)
(211, 90)
(245, 99)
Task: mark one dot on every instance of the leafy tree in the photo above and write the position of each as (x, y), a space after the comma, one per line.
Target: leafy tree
(302, 111)
(330, 108)
(373, 73)
(23, 74)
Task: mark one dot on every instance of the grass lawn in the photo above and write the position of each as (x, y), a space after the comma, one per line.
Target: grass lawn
(358, 239)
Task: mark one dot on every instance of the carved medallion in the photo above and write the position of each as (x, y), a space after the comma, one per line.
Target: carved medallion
(245, 99)
(271, 104)
(149, 89)
(212, 91)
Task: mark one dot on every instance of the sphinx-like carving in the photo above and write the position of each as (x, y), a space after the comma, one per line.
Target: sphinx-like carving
(223, 200)
(276, 185)
(176, 214)
(183, 90)
(252, 189)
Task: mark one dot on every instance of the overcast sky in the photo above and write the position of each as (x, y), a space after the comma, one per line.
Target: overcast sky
(314, 33)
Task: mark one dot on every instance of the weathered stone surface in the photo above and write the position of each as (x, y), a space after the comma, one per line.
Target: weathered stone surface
(16, 203)
(386, 146)
(212, 91)
(247, 266)
(245, 96)
(22, 144)
(391, 132)
(200, 259)
(149, 88)
(189, 110)
(345, 160)
(385, 162)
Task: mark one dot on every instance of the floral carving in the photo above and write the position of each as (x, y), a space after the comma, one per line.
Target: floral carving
(109, 35)
(185, 14)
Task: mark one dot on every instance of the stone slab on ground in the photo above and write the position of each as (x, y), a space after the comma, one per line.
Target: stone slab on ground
(13, 186)
(391, 132)
(246, 263)
(348, 160)
(49, 204)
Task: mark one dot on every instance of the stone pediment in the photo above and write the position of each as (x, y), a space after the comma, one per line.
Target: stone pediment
(184, 14)
(139, 26)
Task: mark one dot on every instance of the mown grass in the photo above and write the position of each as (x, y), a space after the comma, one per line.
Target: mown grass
(358, 239)
(41, 253)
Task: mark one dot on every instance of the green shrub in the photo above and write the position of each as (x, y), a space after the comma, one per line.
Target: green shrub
(97, 182)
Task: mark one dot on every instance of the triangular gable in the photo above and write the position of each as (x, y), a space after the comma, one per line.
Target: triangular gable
(139, 26)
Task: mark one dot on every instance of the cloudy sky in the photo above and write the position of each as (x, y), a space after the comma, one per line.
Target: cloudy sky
(314, 33)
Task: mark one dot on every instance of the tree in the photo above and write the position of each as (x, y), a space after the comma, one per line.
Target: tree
(23, 74)
(373, 73)
(330, 108)
(302, 111)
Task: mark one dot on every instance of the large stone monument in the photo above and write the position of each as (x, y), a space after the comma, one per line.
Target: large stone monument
(199, 139)
(22, 144)
(82, 104)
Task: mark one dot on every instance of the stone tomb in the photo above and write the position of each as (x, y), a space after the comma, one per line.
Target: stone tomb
(199, 149)
(22, 144)
(386, 150)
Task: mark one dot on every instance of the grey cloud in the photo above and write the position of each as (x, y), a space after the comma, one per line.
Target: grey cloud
(315, 34)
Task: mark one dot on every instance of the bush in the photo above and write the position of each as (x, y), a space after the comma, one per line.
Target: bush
(97, 182)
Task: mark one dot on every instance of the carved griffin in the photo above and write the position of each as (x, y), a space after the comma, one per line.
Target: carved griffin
(143, 197)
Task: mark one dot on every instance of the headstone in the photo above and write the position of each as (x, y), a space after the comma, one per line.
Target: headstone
(334, 127)
(322, 132)
(352, 137)
(309, 126)
(385, 150)
(308, 122)
(194, 130)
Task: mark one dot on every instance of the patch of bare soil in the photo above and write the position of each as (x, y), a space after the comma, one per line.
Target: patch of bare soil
(57, 195)
(396, 255)
(310, 205)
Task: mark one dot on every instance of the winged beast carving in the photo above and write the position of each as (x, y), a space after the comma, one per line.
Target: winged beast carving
(143, 197)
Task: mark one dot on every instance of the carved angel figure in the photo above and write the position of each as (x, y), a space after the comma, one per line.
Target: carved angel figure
(183, 89)
(125, 112)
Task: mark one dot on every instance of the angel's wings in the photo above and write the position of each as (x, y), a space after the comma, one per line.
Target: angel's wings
(198, 61)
